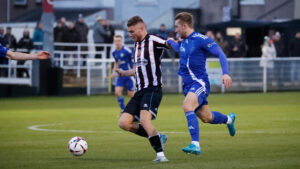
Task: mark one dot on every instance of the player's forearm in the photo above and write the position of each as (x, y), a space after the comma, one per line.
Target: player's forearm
(129, 72)
(174, 45)
(218, 52)
(20, 56)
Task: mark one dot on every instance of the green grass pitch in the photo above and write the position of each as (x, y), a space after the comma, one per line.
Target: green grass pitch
(268, 134)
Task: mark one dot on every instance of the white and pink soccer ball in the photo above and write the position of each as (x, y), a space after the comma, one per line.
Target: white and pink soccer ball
(77, 146)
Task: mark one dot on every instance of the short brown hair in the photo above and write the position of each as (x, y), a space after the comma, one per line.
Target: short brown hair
(134, 20)
(185, 17)
(118, 36)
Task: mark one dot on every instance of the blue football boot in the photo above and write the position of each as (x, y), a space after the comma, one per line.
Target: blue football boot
(231, 127)
(192, 149)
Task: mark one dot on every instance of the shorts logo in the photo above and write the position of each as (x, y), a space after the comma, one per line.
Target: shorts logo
(191, 127)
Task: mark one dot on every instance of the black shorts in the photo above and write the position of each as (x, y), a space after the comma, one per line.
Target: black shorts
(145, 99)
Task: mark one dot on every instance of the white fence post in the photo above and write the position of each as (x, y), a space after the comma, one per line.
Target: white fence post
(88, 85)
(265, 78)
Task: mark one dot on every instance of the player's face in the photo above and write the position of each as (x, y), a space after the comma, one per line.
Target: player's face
(118, 42)
(179, 28)
(135, 32)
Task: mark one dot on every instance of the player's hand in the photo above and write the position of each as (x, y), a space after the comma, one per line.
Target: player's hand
(43, 55)
(120, 72)
(226, 79)
(112, 75)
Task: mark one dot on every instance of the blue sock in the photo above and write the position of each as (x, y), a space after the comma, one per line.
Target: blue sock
(121, 102)
(193, 125)
(218, 118)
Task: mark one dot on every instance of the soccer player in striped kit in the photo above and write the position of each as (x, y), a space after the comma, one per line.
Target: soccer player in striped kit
(194, 48)
(143, 107)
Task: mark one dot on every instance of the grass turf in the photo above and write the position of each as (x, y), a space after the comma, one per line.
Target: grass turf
(268, 133)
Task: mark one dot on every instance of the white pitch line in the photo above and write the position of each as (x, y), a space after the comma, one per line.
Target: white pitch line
(38, 128)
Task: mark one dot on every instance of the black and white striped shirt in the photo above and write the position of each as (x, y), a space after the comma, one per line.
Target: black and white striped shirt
(147, 59)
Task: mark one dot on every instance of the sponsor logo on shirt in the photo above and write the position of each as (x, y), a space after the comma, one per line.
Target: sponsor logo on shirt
(200, 36)
(141, 62)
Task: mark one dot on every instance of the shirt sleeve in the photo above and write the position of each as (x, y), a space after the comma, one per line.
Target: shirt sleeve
(160, 42)
(3, 51)
(174, 45)
(213, 48)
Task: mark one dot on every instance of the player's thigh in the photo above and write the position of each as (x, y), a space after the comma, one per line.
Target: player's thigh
(145, 116)
(151, 101)
(119, 91)
(190, 102)
(204, 114)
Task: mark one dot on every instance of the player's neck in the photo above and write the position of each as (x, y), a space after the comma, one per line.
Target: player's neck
(189, 32)
(119, 48)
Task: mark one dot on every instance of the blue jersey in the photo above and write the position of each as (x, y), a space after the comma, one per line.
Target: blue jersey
(3, 51)
(194, 50)
(124, 58)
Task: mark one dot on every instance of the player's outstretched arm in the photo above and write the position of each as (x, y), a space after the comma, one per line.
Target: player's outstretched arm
(24, 56)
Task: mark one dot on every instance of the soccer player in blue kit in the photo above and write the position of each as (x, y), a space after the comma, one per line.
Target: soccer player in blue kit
(123, 60)
(194, 48)
(6, 53)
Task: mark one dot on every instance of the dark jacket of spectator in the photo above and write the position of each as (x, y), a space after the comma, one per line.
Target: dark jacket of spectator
(294, 47)
(71, 36)
(110, 30)
(11, 40)
(238, 47)
(26, 42)
(82, 30)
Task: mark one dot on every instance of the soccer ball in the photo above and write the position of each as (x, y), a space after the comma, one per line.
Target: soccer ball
(77, 146)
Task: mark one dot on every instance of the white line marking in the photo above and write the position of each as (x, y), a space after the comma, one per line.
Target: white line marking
(38, 128)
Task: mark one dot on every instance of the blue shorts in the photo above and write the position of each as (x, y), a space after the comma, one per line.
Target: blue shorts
(127, 82)
(201, 89)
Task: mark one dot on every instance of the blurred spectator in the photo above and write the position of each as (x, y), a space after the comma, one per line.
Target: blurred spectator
(237, 47)
(279, 45)
(3, 42)
(162, 31)
(222, 42)
(24, 43)
(110, 30)
(64, 23)
(71, 36)
(10, 39)
(59, 32)
(268, 53)
(2, 39)
(210, 34)
(38, 35)
(99, 34)
(294, 45)
(294, 51)
(83, 31)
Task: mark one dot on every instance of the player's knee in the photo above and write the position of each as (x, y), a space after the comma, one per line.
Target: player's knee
(205, 117)
(186, 107)
(118, 94)
(124, 125)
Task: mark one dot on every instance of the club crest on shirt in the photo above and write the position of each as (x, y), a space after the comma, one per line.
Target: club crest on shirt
(122, 55)
(182, 49)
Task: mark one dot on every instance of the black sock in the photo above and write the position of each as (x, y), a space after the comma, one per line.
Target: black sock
(156, 144)
(141, 131)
